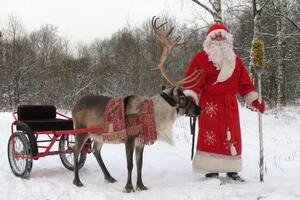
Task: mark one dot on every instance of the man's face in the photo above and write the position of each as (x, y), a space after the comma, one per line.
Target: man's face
(217, 37)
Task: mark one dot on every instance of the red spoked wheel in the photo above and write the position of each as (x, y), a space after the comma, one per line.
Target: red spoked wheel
(66, 144)
(20, 166)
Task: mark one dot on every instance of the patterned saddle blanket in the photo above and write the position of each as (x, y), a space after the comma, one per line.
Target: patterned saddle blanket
(117, 127)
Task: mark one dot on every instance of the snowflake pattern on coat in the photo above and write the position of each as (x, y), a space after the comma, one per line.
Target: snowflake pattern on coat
(211, 109)
(210, 138)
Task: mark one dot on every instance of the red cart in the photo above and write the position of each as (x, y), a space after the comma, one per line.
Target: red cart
(34, 133)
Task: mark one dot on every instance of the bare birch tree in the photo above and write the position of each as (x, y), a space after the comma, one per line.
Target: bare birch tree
(258, 62)
(215, 9)
(281, 53)
(14, 34)
(282, 11)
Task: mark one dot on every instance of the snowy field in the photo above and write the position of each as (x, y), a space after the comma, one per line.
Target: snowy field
(167, 170)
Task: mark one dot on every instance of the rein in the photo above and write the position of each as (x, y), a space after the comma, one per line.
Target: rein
(193, 128)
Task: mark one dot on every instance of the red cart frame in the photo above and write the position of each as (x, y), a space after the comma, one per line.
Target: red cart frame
(27, 145)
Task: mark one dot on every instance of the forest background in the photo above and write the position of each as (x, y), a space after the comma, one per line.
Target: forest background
(42, 67)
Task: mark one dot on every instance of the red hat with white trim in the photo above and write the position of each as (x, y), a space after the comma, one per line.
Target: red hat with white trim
(216, 28)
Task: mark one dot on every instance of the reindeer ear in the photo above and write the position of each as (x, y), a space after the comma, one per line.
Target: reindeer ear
(163, 87)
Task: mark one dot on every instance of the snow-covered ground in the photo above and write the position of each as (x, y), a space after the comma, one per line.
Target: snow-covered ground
(167, 170)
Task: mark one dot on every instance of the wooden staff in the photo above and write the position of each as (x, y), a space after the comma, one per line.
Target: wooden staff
(258, 62)
(261, 147)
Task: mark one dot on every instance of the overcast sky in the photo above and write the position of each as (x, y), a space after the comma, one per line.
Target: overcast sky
(86, 20)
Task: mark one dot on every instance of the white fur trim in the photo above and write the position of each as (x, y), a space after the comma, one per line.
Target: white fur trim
(226, 72)
(193, 94)
(209, 162)
(250, 97)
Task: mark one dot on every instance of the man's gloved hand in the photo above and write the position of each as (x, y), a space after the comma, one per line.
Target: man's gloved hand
(259, 106)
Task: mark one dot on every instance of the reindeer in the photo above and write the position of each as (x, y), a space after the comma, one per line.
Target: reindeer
(172, 102)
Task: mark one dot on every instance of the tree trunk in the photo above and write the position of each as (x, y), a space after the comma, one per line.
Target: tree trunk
(281, 54)
(218, 9)
(258, 62)
(215, 11)
(1, 50)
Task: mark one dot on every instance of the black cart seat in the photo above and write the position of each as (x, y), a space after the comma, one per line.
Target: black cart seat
(42, 118)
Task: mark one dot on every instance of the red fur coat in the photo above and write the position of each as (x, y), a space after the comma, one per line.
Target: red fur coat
(219, 145)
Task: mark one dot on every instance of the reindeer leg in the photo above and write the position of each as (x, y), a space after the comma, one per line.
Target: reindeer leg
(97, 153)
(80, 141)
(139, 149)
(129, 145)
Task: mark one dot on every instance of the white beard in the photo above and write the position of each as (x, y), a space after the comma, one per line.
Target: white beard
(222, 55)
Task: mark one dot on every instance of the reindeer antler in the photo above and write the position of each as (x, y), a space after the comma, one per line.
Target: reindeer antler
(164, 38)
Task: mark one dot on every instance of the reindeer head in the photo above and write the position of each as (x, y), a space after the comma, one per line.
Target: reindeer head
(178, 96)
(185, 103)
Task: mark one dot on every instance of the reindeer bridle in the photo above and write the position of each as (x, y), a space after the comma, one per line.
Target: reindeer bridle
(180, 101)
(184, 103)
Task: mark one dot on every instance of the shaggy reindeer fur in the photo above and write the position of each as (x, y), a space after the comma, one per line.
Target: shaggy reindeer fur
(89, 112)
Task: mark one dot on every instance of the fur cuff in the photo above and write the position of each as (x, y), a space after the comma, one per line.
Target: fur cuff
(250, 97)
(193, 94)
(209, 162)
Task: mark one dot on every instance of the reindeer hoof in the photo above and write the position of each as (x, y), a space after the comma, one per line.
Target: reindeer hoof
(77, 182)
(128, 188)
(110, 180)
(140, 187)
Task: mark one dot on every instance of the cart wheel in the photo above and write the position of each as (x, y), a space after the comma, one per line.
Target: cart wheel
(67, 142)
(21, 167)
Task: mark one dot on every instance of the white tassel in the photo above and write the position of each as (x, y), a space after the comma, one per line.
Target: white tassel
(233, 150)
(228, 135)
(232, 147)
